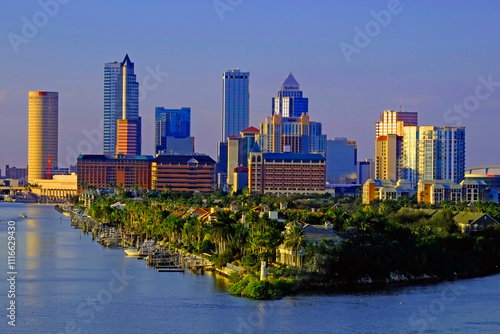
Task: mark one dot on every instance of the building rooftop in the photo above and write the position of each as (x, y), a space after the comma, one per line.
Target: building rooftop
(184, 159)
(293, 156)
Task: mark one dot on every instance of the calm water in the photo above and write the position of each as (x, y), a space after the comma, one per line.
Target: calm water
(66, 283)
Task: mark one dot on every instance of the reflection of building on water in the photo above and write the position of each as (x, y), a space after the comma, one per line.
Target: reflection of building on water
(33, 240)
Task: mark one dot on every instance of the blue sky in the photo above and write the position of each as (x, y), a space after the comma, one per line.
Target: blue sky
(424, 55)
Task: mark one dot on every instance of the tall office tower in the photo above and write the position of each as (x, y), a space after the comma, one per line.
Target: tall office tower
(410, 155)
(392, 122)
(289, 102)
(441, 153)
(341, 161)
(235, 103)
(172, 131)
(111, 73)
(388, 157)
(42, 134)
(128, 127)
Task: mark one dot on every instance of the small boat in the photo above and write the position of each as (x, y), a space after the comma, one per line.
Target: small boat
(132, 251)
(22, 215)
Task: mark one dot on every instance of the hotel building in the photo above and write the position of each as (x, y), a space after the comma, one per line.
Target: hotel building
(286, 173)
(183, 173)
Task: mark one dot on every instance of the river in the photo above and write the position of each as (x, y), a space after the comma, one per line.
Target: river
(66, 283)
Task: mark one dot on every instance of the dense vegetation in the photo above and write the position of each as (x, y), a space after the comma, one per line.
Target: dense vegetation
(384, 240)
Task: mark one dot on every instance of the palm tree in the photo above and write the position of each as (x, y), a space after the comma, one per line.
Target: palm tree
(295, 239)
(199, 227)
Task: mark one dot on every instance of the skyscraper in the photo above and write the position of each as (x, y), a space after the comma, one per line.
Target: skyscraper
(111, 73)
(235, 102)
(289, 102)
(289, 129)
(172, 131)
(441, 153)
(121, 109)
(42, 133)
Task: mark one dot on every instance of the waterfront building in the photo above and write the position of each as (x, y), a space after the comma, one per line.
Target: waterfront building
(42, 134)
(441, 153)
(183, 173)
(60, 188)
(235, 102)
(388, 157)
(386, 189)
(122, 123)
(106, 172)
(173, 131)
(341, 161)
(286, 173)
(289, 102)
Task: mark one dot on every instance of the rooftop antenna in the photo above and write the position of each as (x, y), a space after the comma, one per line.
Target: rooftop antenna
(400, 108)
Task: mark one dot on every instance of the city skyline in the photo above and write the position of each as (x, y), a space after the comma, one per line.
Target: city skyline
(346, 91)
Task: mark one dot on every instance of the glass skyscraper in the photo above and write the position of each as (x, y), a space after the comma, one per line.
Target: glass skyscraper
(121, 102)
(111, 72)
(235, 103)
(290, 102)
(174, 123)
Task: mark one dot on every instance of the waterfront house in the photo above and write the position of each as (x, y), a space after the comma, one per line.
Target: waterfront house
(313, 234)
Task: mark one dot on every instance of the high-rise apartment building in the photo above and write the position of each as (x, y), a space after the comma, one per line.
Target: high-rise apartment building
(122, 124)
(235, 102)
(388, 157)
(42, 134)
(410, 155)
(441, 153)
(289, 102)
(172, 131)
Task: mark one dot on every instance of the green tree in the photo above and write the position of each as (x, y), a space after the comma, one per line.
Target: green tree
(295, 239)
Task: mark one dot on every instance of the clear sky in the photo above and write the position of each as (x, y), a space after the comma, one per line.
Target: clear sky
(353, 59)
